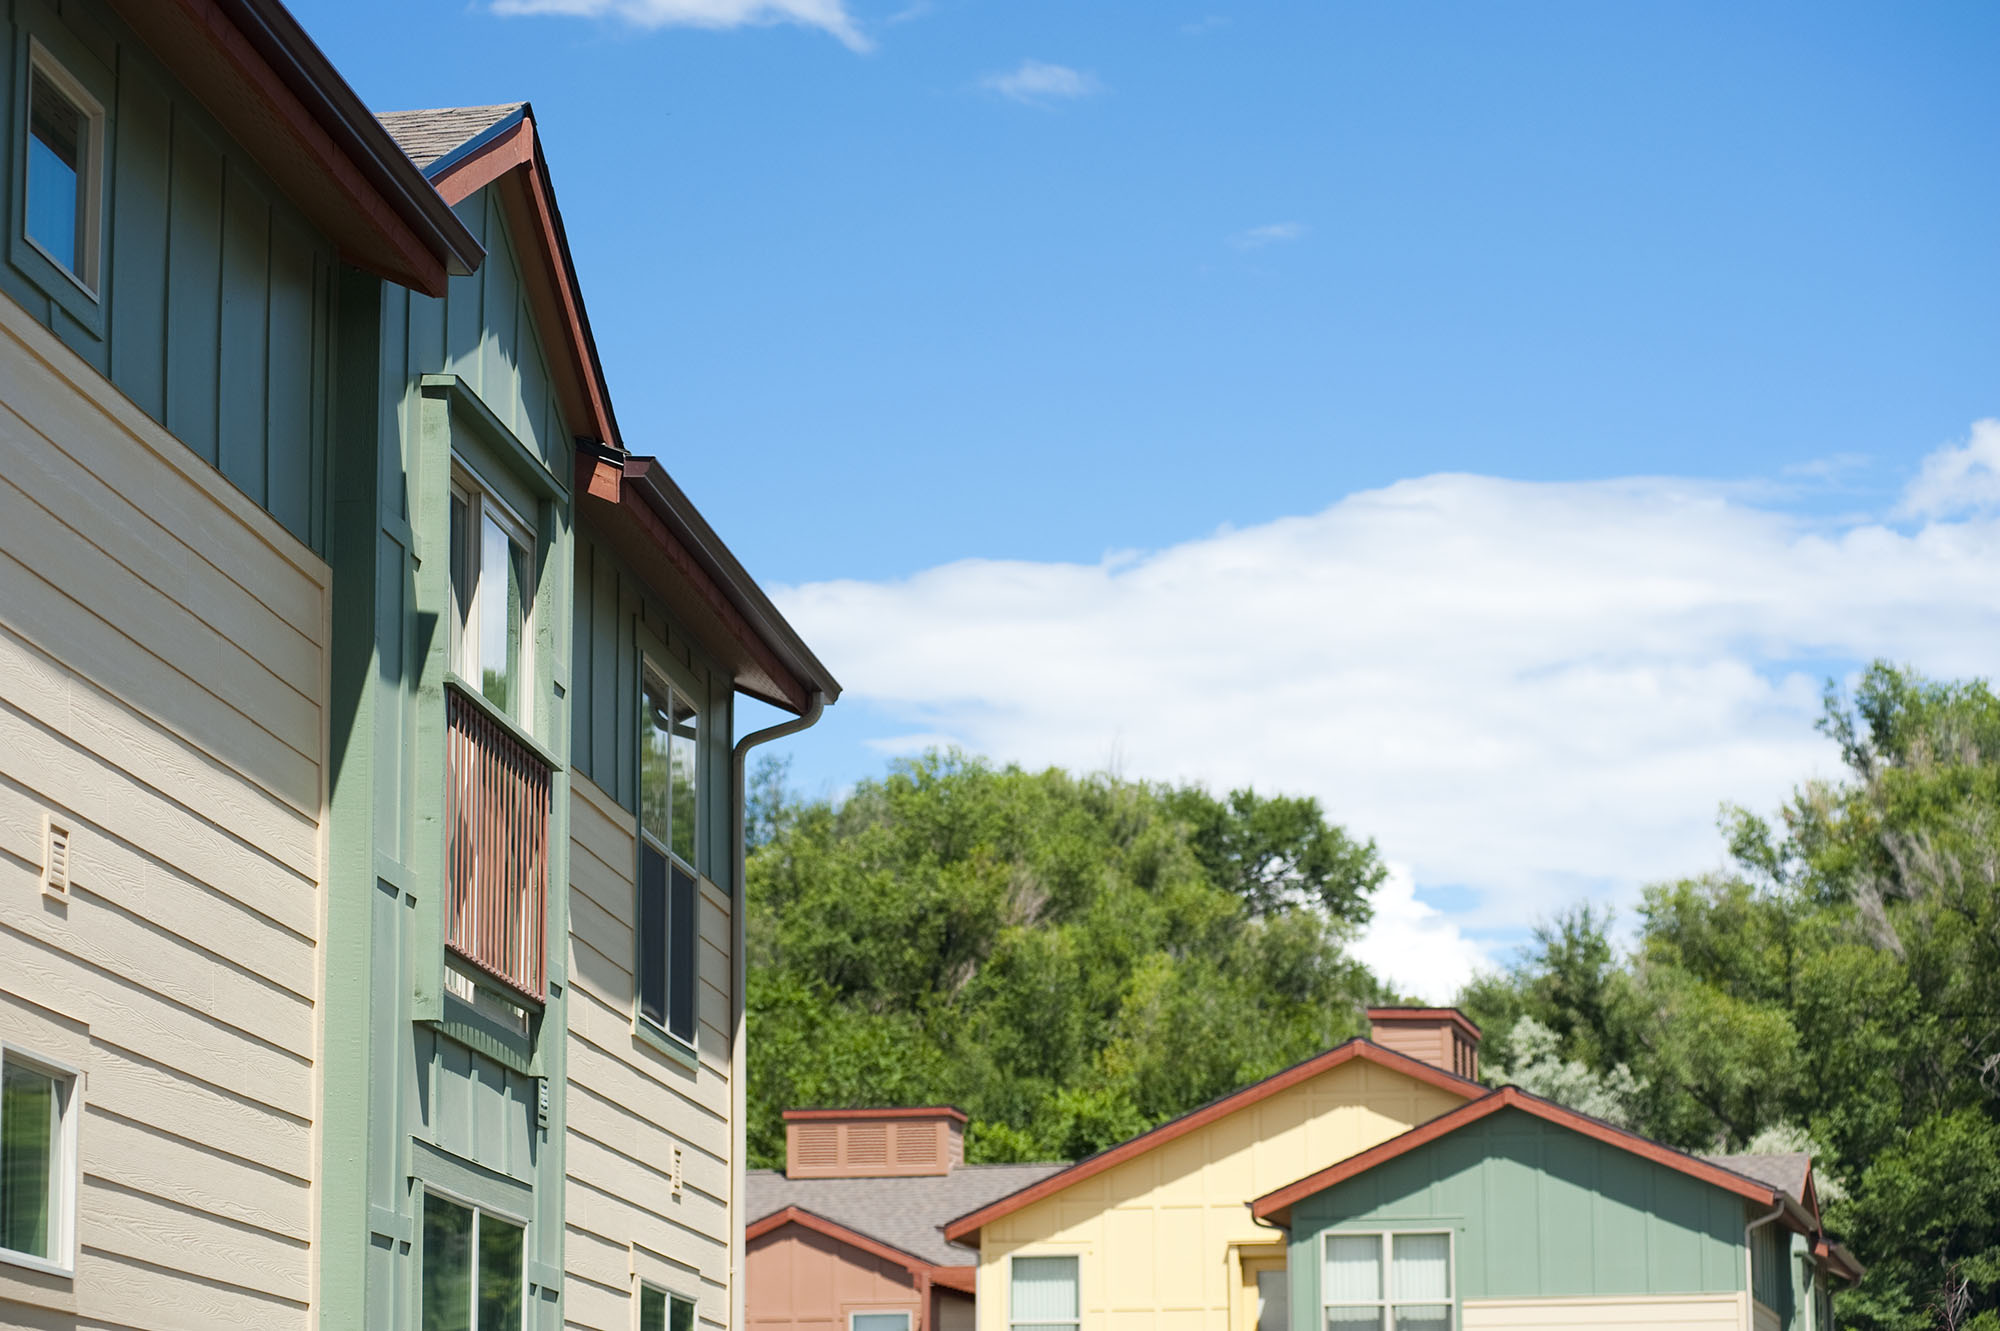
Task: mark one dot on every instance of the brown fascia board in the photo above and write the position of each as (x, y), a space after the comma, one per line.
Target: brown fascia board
(963, 1228)
(275, 92)
(839, 1233)
(912, 1111)
(650, 525)
(1448, 1014)
(1276, 1207)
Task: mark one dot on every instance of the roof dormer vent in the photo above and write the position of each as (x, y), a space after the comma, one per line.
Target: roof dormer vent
(873, 1143)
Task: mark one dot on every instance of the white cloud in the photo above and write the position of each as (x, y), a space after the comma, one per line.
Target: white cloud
(1964, 479)
(829, 16)
(1414, 946)
(1038, 83)
(1275, 233)
(1536, 692)
(1203, 26)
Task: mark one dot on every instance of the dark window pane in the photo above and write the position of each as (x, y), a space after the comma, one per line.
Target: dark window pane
(652, 933)
(685, 778)
(447, 1265)
(652, 1309)
(683, 1316)
(58, 134)
(680, 945)
(501, 1274)
(28, 1114)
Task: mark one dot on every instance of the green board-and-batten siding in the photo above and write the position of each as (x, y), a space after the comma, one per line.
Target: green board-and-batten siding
(215, 304)
(1536, 1211)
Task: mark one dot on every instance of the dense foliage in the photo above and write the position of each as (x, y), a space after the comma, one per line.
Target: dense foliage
(1068, 959)
(1840, 987)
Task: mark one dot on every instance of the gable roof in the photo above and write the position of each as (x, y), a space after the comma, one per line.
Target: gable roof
(273, 90)
(905, 1213)
(1276, 1206)
(968, 1225)
(1789, 1172)
(431, 136)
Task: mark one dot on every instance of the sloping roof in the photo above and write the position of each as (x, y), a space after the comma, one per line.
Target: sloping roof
(1788, 1172)
(904, 1213)
(1276, 1206)
(966, 1226)
(430, 136)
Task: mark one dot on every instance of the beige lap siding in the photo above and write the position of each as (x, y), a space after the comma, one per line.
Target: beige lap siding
(162, 677)
(1665, 1312)
(630, 1104)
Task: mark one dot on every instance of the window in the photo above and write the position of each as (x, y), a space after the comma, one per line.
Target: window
(661, 1311)
(475, 1268)
(878, 1322)
(1415, 1297)
(492, 599)
(37, 1161)
(1044, 1295)
(669, 820)
(65, 152)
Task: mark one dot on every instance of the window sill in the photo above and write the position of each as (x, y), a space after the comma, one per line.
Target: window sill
(465, 689)
(8, 1257)
(673, 1047)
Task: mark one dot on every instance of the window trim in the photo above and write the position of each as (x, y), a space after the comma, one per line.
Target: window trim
(1387, 1303)
(666, 672)
(90, 181)
(466, 484)
(425, 1190)
(1073, 1255)
(673, 1296)
(909, 1317)
(66, 1171)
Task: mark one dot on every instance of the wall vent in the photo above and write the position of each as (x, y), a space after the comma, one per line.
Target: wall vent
(55, 857)
(674, 1174)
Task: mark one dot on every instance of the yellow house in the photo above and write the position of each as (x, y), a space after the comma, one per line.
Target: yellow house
(1156, 1233)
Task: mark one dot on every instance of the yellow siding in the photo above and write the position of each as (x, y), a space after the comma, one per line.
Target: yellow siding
(630, 1104)
(1668, 1312)
(162, 677)
(1155, 1234)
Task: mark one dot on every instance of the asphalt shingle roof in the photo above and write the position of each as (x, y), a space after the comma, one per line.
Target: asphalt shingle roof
(429, 135)
(906, 1213)
(1787, 1172)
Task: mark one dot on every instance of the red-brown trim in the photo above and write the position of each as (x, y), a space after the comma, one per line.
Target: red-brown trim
(519, 149)
(959, 1230)
(916, 1111)
(1393, 1015)
(961, 1278)
(1276, 1206)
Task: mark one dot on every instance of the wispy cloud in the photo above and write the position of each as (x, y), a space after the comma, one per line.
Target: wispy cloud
(1274, 233)
(1535, 692)
(1958, 479)
(829, 16)
(1201, 27)
(1038, 83)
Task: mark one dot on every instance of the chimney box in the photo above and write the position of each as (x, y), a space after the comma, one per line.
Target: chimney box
(873, 1143)
(1440, 1036)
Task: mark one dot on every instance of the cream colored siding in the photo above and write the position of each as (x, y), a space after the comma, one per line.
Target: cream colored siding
(630, 1104)
(162, 676)
(1669, 1312)
(1155, 1233)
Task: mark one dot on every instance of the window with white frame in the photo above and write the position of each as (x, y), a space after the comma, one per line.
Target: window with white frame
(878, 1321)
(475, 1272)
(37, 1161)
(660, 1310)
(1042, 1294)
(65, 130)
(1387, 1282)
(492, 598)
(670, 809)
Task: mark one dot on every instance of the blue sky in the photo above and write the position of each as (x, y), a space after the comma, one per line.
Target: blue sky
(980, 328)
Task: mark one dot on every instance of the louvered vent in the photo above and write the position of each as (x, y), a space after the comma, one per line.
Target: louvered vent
(674, 1174)
(916, 1144)
(55, 857)
(868, 1143)
(817, 1146)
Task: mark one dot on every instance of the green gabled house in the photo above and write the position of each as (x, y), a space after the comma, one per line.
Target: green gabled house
(370, 789)
(1513, 1211)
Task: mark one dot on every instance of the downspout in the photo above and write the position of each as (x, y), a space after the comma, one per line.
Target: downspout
(1750, 1266)
(739, 1090)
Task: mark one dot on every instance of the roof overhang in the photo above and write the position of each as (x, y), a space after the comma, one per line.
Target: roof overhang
(652, 526)
(275, 92)
(1276, 1207)
(962, 1278)
(966, 1227)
